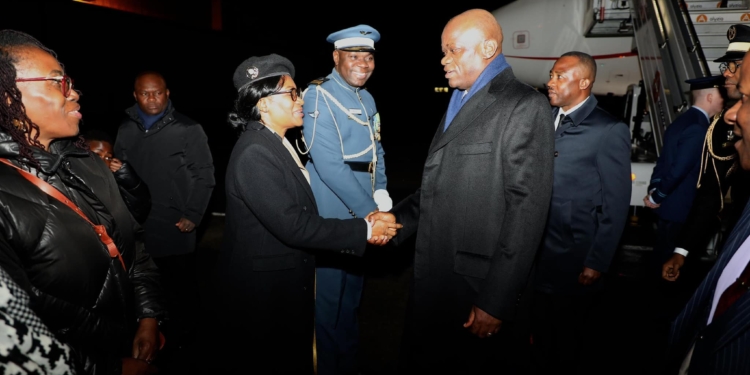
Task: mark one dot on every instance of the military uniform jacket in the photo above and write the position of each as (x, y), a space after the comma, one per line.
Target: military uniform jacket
(334, 138)
(719, 171)
(676, 172)
(590, 198)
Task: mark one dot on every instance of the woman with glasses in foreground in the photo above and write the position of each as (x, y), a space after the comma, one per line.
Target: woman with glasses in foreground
(266, 267)
(66, 237)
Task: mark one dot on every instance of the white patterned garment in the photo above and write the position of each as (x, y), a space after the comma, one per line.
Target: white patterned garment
(27, 347)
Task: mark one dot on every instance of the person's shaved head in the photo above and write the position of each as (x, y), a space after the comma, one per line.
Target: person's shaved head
(470, 41)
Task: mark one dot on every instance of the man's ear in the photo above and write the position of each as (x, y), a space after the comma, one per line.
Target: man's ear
(584, 83)
(489, 48)
(167, 93)
(336, 57)
(135, 96)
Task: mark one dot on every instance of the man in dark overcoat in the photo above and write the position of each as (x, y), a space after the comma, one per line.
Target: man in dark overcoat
(480, 211)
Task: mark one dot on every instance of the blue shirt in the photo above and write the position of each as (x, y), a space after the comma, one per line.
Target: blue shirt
(460, 97)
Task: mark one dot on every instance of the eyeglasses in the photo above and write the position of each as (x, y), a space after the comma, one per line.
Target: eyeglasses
(731, 66)
(66, 83)
(294, 93)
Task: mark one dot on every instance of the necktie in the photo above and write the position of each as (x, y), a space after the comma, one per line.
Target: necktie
(560, 120)
(296, 159)
(734, 292)
(562, 125)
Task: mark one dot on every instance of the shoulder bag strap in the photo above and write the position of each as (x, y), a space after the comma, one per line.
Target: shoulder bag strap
(54, 193)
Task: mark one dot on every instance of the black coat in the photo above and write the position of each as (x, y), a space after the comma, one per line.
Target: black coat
(134, 192)
(266, 268)
(478, 215)
(84, 296)
(590, 198)
(174, 160)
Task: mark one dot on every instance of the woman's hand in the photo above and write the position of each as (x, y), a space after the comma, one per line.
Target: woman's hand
(146, 342)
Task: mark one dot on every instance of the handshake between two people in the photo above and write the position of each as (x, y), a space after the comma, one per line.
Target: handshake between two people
(384, 227)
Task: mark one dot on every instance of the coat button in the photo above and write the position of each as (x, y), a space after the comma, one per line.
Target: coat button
(304, 288)
(342, 251)
(556, 153)
(304, 208)
(304, 260)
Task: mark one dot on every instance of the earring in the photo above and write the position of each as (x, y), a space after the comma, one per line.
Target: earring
(19, 125)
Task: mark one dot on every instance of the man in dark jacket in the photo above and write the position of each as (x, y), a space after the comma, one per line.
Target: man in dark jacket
(479, 213)
(170, 152)
(590, 200)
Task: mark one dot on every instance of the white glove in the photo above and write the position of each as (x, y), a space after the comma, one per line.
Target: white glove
(383, 200)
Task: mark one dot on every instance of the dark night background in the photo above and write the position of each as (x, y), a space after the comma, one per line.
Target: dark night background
(103, 49)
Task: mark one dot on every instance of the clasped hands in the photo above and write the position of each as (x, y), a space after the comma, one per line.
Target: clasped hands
(384, 227)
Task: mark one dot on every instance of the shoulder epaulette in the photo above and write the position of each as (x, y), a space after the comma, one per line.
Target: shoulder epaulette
(318, 81)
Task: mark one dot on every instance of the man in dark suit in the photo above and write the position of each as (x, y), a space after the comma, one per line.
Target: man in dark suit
(712, 333)
(673, 182)
(590, 201)
(480, 211)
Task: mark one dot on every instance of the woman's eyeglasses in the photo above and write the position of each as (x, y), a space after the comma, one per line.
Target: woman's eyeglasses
(731, 66)
(294, 93)
(66, 83)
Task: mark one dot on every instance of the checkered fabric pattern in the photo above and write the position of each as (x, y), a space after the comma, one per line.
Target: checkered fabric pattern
(26, 344)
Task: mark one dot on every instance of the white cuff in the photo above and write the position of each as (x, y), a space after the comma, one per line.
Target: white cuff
(651, 199)
(383, 200)
(369, 229)
(681, 251)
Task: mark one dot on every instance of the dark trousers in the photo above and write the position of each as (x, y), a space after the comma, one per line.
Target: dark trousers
(338, 296)
(435, 341)
(178, 278)
(561, 329)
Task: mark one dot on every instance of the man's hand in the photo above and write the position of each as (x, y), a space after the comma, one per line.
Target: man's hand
(382, 230)
(647, 202)
(384, 216)
(132, 366)
(670, 271)
(482, 324)
(115, 164)
(146, 342)
(185, 225)
(588, 276)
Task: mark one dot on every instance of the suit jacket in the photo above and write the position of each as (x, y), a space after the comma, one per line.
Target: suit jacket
(590, 198)
(266, 268)
(722, 346)
(676, 172)
(485, 193)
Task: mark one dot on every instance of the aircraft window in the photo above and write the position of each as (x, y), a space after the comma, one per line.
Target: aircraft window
(521, 39)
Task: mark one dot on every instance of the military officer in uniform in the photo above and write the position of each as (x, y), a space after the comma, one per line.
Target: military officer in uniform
(342, 135)
(719, 172)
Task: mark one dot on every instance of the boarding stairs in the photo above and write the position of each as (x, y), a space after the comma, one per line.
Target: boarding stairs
(711, 20)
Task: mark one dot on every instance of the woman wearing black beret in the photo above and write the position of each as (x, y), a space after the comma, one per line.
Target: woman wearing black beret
(266, 268)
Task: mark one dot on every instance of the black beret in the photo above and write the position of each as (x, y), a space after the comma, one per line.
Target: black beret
(706, 82)
(259, 67)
